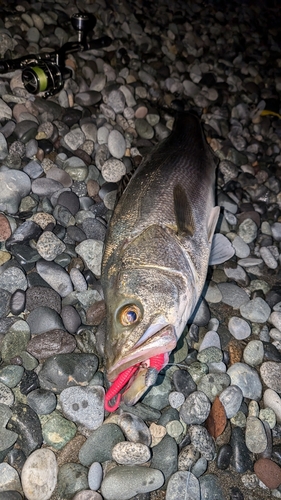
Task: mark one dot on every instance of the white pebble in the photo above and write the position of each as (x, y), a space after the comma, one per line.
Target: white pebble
(39, 475)
(268, 258)
(239, 328)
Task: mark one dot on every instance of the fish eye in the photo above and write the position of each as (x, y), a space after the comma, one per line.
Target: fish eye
(129, 315)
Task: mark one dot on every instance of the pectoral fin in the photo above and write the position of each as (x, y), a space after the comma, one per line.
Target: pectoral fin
(212, 222)
(221, 250)
(183, 212)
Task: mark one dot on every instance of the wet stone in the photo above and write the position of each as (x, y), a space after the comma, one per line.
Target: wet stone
(12, 279)
(195, 409)
(224, 456)
(213, 384)
(125, 481)
(268, 472)
(55, 341)
(271, 375)
(210, 487)
(9, 478)
(241, 458)
(99, 445)
(130, 453)
(71, 319)
(202, 441)
(134, 428)
(84, 405)
(57, 431)
(55, 276)
(239, 328)
(11, 375)
(26, 424)
(7, 437)
(43, 319)
(64, 370)
(256, 310)
(253, 353)
(41, 401)
(17, 304)
(231, 399)
(49, 246)
(39, 474)
(165, 456)
(95, 476)
(38, 296)
(29, 382)
(255, 435)
(183, 485)
(72, 478)
(247, 379)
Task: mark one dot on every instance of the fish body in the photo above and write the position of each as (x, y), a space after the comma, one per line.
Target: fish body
(157, 252)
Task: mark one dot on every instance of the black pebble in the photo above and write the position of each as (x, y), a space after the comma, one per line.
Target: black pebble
(224, 456)
(29, 382)
(236, 494)
(241, 458)
(271, 353)
(45, 145)
(183, 382)
(16, 459)
(27, 425)
(17, 303)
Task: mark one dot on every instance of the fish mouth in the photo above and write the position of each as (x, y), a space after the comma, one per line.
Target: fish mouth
(161, 343)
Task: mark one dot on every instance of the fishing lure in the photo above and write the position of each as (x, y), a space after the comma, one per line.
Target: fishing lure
(156, 362)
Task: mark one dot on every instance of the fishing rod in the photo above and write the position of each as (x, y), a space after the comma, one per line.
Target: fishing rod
(46, 72)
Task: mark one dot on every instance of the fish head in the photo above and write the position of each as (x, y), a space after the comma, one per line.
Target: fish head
(147, 310)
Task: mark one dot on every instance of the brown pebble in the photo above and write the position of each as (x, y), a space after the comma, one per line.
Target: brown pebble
(92, 188)
(70, 452)
(216, 421)
(268, 472)
(50, 343)
(96, 313)
(235, 352)
(5, 228)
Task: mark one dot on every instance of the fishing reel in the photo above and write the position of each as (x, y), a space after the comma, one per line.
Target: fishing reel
(47, 72)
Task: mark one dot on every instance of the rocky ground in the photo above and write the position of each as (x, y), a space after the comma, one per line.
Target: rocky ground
(210, 427)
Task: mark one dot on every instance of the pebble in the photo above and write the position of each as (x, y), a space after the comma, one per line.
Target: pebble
(39, 475)
(57, 431)
(125, 481)
(202, 441)
(268, 472)
(239, 328)
(130, 453)
(241, 459)
(9, 478)
(84, 405)
(41, 401)
(55, 276)
(270, 374)
(165, 456)
(247, 379)
(233, 295)
(255, 435)
(231, 398)
(256, 310)
(253, 353)
(213, 384)
(183, 485)
(210, 487)
(195, 409)
(72, 478)
(64, 370)
(116, 144)
(134, 428)
(99, 445)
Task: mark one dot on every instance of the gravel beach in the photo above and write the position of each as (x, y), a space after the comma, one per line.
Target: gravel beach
(211, 426)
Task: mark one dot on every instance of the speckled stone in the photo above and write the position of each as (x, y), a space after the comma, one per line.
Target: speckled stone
(57, 431)
(271, 375)
(196, 408)
(183, 485)
(247, 379)
(125, 453)
(202, 441)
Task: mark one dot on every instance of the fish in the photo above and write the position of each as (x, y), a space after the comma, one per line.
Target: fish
(157, 252)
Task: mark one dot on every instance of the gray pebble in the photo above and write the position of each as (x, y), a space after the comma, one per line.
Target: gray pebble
(41, 401)
(99, 445)
(125, 482)
(253, 353)
(9, 478)
(6, 395)
(14, 186)
(113, 170)
(49, 246)
(233, 295)
(45, 187)
(165, 456)
(242, 249)
(183, 485)
(72, 478)
(239, 328)
(213, 384)
(231, 399)
(95, 476)
(116, 144)
(55, 276)
(247, 379)
(84, 405)
(91, 252)
(134, 428)
(7, 437)
(210, 487)
(11, 375)
(276, 231)
(255, 435)
(43, 319)
(202, 441)
(144, 130)
(271, 375)
(70, 318)
(116, 100)
(268, 258)
(196, 408)
(256, 310)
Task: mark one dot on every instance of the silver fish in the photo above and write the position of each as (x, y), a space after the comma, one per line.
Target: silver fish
(157, 252)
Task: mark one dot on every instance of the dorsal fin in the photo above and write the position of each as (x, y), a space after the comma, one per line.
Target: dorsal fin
(183, 212)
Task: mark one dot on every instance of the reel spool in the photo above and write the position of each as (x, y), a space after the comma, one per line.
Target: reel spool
(45, 77)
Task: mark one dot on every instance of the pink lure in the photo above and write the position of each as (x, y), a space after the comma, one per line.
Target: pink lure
(156, 362)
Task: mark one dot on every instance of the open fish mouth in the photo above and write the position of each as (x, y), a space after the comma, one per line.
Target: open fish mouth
(135, 373)
(163, 341)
